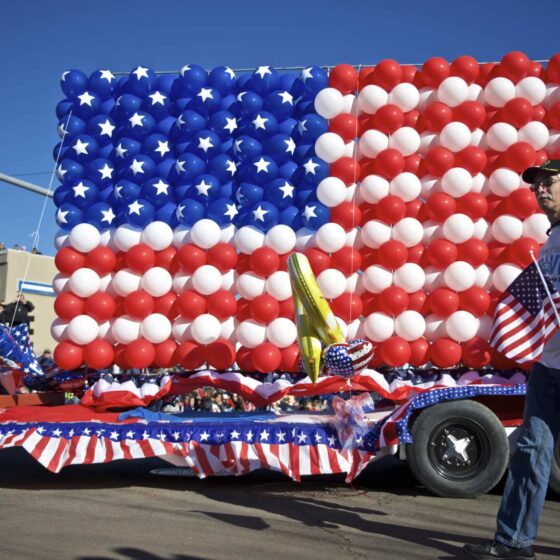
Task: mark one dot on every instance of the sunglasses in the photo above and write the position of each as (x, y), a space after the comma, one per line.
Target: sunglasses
(546, 183)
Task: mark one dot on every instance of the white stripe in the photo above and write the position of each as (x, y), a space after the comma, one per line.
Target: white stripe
(81, 450)
(304, 459)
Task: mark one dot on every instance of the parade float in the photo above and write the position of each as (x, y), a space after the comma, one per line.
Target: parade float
(339, 231)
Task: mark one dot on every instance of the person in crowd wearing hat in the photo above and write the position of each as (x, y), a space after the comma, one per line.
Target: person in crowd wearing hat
(530, 465)
(17, 312)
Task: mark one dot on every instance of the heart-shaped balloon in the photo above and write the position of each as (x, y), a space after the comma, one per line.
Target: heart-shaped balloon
(347, 358)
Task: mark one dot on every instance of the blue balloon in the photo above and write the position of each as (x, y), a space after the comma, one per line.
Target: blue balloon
(247, 103)
(242, 82)
(280, 104)
(180, 192)
(124, 149)
(107, 194)
(157, 104)
(187, 167)
(157, 191)
(165, 125)
(105, 151)
(193, 77)
(68, 216)
(287, 126)
(222, 210)
(309, 128)
(205, 189)
(108, 105)
(86, 105)
(101, 172)
(83, 148)
(63, 108)
(223, 123)
(288, 170)
(291, 216)
(70, 126)
(140, 212)
(263, 170)
(168, 214)
(314, 170)
(206, 101)
(227, 146)
(263, 124)
(142, 80)
(69, 171)
(102, 128)
(315, 214)
(61, 195)
(313, 80)
(126, 105)
(165, 82)
(280, 147)
(102, 82)
(264, 215)
(139, 125)
(303, 152)
(206, 144)
(101, 215)
(189, 211)
(180, 105)
(189, 122)
(165, 168)
(248, 194)
(73, 82)
(157, 147)
(281, 193)
(287, 80)
(227, 190)
(246, 148)
(61, 152)
(223, 167)
(227, 102)
(222, 79)
(138, 168)
(83, 193)
(264, 80)
(303, 195)
(126, 191)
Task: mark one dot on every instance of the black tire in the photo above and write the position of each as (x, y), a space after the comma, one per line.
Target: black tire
(554, 481)
(458, 471)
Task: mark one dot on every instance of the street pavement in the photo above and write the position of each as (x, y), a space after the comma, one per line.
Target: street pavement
(123, 511)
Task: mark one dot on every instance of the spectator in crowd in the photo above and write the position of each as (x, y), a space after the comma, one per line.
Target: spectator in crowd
(45, 359)
(18, 311)
(2, 246)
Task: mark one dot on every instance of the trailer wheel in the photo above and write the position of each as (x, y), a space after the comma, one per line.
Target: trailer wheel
(460, 449)
(554, 481)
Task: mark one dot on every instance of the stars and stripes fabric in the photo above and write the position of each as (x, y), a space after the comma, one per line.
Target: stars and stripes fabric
(526, 317)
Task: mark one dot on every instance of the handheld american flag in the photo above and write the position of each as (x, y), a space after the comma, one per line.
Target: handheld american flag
(526, 316)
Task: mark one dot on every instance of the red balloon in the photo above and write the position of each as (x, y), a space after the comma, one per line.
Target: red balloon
(553, 115)
(419, 352)
(68, 355)
(222, 304)
(264, 308)
(220, 354)
(476, 353)
(191, 304)
(243, 309)
(495, 207)
(473, 204)
(121, 261)
(370, 303)
(167, 259)
(395, 351)
(264, 261)
(411, 118)
(344, 78)
(191, 257)
(290, 358)
(517, 112)
(443, 302)
(348, 306)
(465, 67)
(120, 358)
(190, 355)
(391, 209)
(223, 256)
(473, 159)
(514, 66)
(542, 156)
(141, 257)
(475, 300)
(496, 254)
(319, 260)
(436, 115)
(412, 164)
(347, 169)
(501, 363)
(441, 253)
(389, 163)
(347, 260)
(244, 359)
(101, 306)
(243, 263)
(345, 125)
(369, 257)
(417, 301)
(392, 254)
(393, 300)
(102, 260)
(439, 160)
(519, 252)
(389, 118)
(553, 69)
(165, 354)
(139, 304)
(416, 254)
(68, 260)
(387, 74)
(67, 306)
(283, 266)
(539, 113)
(445, 352)
(409, 73)
(471, 113)
(166, 305)
(435, 70)
(99, 354)
(286, 308)
(474, 251)
(535, 69)
(520, 156)
(440, 206)
(266, 357)
(346, 214)
(484, 71)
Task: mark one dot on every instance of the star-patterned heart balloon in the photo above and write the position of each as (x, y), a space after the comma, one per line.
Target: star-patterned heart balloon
(347, 358)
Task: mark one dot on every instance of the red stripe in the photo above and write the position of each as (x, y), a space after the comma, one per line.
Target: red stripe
(260, 454)
(40, 447)
(54, 464)
(314, 460)
(90, 451)
(202, 459)
(244, 459)
(294, 457)
(126, 450)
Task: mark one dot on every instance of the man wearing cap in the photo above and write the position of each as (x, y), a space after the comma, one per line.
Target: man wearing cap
(529, 469)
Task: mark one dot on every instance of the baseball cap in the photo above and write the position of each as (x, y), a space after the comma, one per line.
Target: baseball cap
(550, 166)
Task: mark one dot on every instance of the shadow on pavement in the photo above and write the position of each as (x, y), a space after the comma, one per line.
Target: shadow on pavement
(137, 554)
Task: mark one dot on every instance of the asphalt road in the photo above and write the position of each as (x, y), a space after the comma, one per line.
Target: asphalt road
(121, 511)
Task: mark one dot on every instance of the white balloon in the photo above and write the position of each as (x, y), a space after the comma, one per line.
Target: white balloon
(455, 136)
(462, 326)
(499, 91)
(331, 192)
(156, 328)
(453, 91)
(376, 278)
(553, 143)
(280, 238)
(552, 95)
(305, 239)
(126, 281)
(84, 282)
(459, 276)
(229, 279)
(330, 237)
(329, 147)
(503, 181)
(84, 237)
(535, 133)
(458, 228)
(351, 150)
(379, 327)
(406, 140)
(479, 182)
(106, 238)
(281, 332)
(483, 277)
(206, 233)
(156, 281)
(375, 233)
(329, 103)
(482, 230)
(354, 238)
(432, 231)
(406, 186)
(207, 279)
(157, 235)
(531, 88)
(355, 284)
(507, 228)
(181, 236)
(83, 329)
(372, 142)
(428, 140)
(410, 277)
(126, 236)
(427, 95)
(248, 239)
(125, 329)
(181, 282)
(410, 325)
(106, 333)
(228, 329)
(227, 234)
(350, 104)
(456, 182)
(250, 285)
(356, 329)
(373, 188)
(435, 327)
(500, 136)
(476, 93)
(59, 330)
(408, 231)
(181, 329)
(60, 283)
(478, 138)
(485, 327)
(430, 185)
(61, 239)
(370, 99)
(406, 96)
(536, 226)
(343, 327)
(250, 333)
(278, 285)
(433, 278)
(332, 283)
(206, 329)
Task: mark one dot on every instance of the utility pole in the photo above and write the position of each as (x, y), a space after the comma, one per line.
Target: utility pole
(25, 185)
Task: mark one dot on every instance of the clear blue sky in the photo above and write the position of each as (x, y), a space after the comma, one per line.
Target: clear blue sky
(39, 40)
